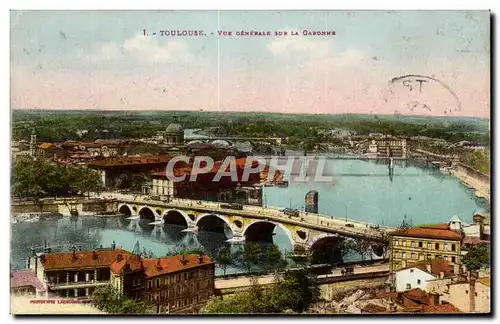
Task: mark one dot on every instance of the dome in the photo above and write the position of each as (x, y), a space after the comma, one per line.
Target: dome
(174, 128)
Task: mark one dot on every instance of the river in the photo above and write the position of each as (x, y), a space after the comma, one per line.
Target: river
(360, 190)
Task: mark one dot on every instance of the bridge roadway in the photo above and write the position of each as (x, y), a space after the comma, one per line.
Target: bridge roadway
(242, 282)
(320, 223)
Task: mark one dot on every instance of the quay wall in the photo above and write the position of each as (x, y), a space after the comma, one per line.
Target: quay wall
(84, 206)
(470, 171)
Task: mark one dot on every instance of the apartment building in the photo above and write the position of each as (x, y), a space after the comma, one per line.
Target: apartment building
(412, 245)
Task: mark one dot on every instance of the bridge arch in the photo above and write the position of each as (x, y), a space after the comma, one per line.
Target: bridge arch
(262, 230)
(125, 210)
(213, 223)
(175, 216)
(146, 213)
(327, 248)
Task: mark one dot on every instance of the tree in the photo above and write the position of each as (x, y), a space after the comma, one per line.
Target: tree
(274, 258)
(251, 255)
(477, 257)
(362, 246)
(108, 299)
(223, 258)
(295, 292)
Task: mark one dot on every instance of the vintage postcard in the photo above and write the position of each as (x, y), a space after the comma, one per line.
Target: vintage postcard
(250, 162)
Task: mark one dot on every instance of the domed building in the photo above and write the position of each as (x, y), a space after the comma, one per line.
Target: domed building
(174, 134)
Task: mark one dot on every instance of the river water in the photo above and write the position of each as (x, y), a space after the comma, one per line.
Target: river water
(360, 190)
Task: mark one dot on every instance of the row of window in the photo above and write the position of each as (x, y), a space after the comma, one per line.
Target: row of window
(421, 256)
(449, 247)
(180, 277)
(181, 302)
(181, 289)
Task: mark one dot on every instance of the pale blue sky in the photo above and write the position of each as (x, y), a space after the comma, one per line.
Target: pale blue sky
(393, 42)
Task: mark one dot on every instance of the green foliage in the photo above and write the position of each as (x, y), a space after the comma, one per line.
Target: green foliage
(274, 258)
(251, 255)
(37, 179)
(110, 301)
(294, 293)
(223, 258)
(477, 257)
(479, 160)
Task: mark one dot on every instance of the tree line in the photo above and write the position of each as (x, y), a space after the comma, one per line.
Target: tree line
(39, 178)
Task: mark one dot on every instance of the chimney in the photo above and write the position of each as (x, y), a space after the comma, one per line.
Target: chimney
(441, 275)
(158, 264)
(73, 248)
(428, 267)
(119, 257)
(113, 245)
(200, 258)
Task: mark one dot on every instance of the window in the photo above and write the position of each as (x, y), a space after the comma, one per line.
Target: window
(134, 282)
(429, 245)
(150, 284)
(404, 243)
(414, 256)
(408, 286)
(396, 242)
(446, 247)
(185, 275)
(149, 297)
(412, 244)
(404, 255)
(419, 281)
(420, 244)
(453, 247)
(453, 259)
(436, 246)
(157, 282)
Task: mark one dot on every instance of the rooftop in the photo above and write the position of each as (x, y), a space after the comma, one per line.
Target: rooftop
(81, 259)
(120, 260)
(437, 266)
(438, 231)
(127, 161)
(25, 278)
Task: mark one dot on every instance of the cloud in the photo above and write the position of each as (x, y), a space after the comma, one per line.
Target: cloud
(141, 48)
(309, 51)
(298, 44)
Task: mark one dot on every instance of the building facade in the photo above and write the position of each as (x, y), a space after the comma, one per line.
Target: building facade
(412, 245)
(419, 274)
(176, 284)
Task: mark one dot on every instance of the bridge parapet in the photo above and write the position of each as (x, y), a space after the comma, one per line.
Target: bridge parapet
(302, 229)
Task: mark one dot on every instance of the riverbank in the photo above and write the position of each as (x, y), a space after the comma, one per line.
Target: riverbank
(482, 189)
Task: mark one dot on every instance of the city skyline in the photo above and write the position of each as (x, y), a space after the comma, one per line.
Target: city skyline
(102, 60)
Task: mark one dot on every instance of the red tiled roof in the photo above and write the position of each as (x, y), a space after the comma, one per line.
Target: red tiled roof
(440, 309)
(474, 240)
(25, 278)
(437, 266)
(173, 264)
(131, 161)
(82, 259)
(428, 232)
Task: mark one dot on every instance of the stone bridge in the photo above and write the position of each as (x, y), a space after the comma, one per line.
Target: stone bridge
(251, 223)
